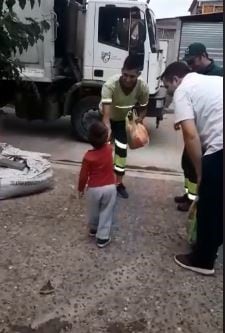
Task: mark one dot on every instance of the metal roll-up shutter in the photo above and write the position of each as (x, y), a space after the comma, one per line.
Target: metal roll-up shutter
(208, 33)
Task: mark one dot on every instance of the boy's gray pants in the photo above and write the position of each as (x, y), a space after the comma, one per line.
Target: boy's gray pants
(101, 204)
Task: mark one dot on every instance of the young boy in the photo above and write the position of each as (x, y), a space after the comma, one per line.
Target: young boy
(97, 173)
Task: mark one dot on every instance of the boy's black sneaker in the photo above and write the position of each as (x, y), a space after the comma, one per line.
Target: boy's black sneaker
(92, 232)
(186, 261)
(122, 192)
(103, 242)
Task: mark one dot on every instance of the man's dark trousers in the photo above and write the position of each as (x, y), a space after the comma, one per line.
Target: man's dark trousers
(210, 210)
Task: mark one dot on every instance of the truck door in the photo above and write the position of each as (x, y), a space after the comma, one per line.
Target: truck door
(38, 60)
(119, 31)
(155, 55)
(164, 45)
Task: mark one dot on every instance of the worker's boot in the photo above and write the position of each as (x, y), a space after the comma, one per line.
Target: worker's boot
(122, 192)
(181, 199)
(185, 206)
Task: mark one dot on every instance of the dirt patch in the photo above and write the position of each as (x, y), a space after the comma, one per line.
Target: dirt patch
(52, 326)
(135, 326)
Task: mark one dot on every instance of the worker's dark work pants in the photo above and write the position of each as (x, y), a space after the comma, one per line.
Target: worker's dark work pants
(210, 210)
(190, 178)
(120, 137)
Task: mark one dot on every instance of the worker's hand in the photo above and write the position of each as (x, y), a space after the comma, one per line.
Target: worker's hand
(80, 195)
(177, 127)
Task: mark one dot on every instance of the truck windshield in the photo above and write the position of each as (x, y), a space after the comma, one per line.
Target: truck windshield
(151, 31)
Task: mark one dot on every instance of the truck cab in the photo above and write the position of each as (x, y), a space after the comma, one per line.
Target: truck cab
(86, 44)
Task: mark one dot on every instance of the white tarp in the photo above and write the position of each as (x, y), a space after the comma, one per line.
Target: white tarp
(36, 177)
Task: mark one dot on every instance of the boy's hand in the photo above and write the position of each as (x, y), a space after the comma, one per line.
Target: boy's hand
(80, 195)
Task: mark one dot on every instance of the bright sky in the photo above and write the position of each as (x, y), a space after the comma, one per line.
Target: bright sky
(170, 8)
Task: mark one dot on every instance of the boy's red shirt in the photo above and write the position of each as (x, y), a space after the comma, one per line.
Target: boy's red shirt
(97, 168)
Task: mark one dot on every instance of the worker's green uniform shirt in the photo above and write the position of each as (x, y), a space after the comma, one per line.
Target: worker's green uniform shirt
(113, 94)
(212, 69)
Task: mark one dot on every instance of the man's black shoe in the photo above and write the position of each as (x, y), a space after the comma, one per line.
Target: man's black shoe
(186, 261)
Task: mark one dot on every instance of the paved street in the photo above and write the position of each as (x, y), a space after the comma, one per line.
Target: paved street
(163, 152)
(131, 286)
(56, 274)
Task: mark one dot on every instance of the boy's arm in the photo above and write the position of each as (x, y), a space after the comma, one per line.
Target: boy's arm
(83, 177)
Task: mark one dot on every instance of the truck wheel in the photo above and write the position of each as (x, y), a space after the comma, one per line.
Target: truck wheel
(83, 114)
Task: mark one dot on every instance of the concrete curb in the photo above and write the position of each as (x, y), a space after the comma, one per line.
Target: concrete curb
(148, 172)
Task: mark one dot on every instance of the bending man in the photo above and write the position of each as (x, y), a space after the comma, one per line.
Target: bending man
(198, 60)
(198, 101)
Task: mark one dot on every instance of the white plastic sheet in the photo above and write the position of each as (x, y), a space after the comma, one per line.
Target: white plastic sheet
(36, 177)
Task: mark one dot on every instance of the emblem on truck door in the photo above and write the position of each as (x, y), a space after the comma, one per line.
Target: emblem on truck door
(106, 56)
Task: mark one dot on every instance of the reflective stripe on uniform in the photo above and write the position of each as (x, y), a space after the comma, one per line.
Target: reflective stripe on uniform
(106, 101)
(119, 169)
(124, 107)
(191, 196)
(120, 144)
(186, 185)
(120, 161)
(192, 190)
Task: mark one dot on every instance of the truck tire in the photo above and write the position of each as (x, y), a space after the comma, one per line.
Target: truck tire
(83, 114)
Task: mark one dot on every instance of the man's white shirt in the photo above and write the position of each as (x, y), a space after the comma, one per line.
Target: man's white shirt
(200, 98)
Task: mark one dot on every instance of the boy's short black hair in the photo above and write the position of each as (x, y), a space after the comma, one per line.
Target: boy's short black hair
(98, 134)
(132, 63)
(177, 68)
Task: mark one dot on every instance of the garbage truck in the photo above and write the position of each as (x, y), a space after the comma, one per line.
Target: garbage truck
(86, 44)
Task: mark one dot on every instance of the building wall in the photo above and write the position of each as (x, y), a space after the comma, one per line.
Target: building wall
(167, 31)
(212, 7)
(208, 33)
(207, 7)
(178, 35)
